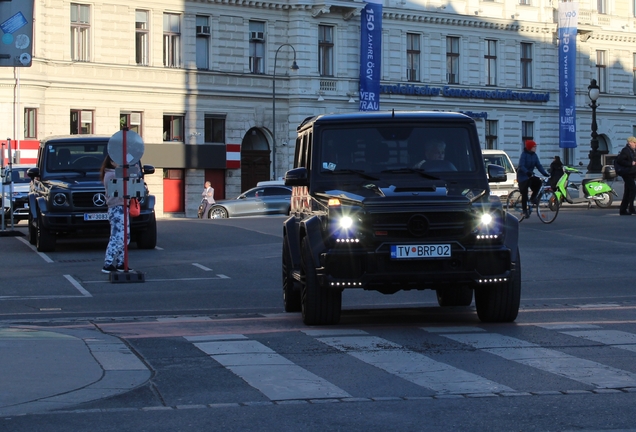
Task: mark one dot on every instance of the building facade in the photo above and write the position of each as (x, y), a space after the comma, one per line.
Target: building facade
(209, 84)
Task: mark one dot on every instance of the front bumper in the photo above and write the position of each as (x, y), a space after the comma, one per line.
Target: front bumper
(375, 270)
(74, 222)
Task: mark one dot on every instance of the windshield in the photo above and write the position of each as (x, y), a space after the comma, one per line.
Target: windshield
(499, 159)
(19, 175)
(80, 157)
(381, 151)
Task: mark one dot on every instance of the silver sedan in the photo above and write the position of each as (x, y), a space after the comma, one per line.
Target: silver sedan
(261, 200)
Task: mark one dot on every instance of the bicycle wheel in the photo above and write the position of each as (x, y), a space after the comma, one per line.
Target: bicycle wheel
(548, 207)
(513, 204)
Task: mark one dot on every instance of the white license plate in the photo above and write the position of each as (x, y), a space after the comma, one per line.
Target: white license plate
(420, 251)
(26, 205)
(95, 216)
(498, 192)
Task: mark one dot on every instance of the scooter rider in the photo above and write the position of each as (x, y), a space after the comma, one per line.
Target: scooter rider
(525, 174)
(626, 168)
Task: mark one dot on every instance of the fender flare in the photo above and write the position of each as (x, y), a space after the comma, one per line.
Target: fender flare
(512, 236)
(292, 236)
(311, 228)
(36, 203)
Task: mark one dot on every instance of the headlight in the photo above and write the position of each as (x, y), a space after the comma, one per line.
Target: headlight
(486, 219)
(346, 222)
(59, 199)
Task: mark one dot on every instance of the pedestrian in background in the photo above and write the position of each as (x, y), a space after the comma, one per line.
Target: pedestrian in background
(556, 172)
(208, 195)
(114, 260)
(626, 168)
(525, 174)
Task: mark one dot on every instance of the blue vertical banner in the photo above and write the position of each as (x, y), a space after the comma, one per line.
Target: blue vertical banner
(568, 20)
(370, 55)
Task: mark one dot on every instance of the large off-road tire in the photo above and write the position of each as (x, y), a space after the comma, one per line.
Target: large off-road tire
(291, 296)
(32, 233)
(45, 240)
(320, 306)
(147, 239)
(455, 296)
(606, 200)
(500, 302)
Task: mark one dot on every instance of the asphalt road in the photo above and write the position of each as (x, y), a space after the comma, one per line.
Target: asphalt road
(208, 323)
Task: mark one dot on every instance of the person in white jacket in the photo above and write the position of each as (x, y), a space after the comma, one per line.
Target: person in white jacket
(208, 195)
(114, 259)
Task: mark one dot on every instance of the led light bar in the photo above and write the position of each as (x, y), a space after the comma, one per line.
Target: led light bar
(492, 280)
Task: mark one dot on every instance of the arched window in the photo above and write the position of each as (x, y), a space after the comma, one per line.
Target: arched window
(255, 139)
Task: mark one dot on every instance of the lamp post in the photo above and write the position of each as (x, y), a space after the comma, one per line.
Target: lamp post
(293, 67)
(594, 166)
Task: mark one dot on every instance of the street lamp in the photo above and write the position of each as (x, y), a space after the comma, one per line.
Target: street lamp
(593, 92)
(293, 67)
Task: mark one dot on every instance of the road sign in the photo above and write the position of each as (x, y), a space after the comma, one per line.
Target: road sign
(16, 23)
(134, 147)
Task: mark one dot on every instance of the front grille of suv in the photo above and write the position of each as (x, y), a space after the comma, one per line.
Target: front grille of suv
(85, 200)
(422, 225)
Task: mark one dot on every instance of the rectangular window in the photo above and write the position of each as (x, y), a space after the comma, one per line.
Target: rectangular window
(412, 57)
(634, 74)
(171, 40)
(173, 127)
(80, 32)
(526, 65)
(452, 60)
(491, 134)
(131, 120)
(491, 62)
(214, 129)
(524, 2)
(601, 70)
(257, 47)
(81, 122)
(527, 132)
(203, 42)
(601, 6)
(30, 123)
(325, 50)
(141, 37)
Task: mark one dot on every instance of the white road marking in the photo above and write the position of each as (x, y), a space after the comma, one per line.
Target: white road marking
(613, 338)
(270, 373)
(548, 360)
(44, 256)
(77, 285)
(413, 366)
(202, 267)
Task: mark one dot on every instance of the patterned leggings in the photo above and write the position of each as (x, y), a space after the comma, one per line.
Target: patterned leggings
(115, 249)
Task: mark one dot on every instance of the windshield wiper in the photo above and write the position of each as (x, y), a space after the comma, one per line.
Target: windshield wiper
(406, 170)
(352, 171)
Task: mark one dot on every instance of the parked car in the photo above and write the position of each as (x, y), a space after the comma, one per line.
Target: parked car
(261, 200)
(16, 192)
(501, 158)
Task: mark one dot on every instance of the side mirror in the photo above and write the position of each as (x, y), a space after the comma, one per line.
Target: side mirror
(148, 169)
(496, 174)
(297, 177)
(33, 172)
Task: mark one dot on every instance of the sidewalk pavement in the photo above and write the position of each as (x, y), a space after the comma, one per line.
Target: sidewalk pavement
(44, 369)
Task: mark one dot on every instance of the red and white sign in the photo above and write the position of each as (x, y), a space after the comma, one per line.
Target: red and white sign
(232, 156)
(28, 151)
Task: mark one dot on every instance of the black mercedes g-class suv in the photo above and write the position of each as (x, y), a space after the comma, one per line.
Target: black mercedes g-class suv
(66, 195)
(392, 201)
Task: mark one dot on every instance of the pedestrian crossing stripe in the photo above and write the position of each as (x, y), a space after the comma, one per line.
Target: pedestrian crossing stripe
(280, 379)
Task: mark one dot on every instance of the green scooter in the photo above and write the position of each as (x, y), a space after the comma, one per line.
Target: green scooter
(594, 190)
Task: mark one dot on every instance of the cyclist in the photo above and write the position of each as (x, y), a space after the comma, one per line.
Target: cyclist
(525, 175)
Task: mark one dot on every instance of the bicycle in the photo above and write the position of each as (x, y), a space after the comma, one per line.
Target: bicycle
(547, 204)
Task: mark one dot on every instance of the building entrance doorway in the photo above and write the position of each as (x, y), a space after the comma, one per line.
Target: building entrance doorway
(255, 159)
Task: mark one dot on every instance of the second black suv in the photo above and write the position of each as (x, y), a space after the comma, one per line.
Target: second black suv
(67, 197)
(391, 201)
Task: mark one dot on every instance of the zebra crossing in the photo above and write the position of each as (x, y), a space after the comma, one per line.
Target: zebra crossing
(280, 379)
